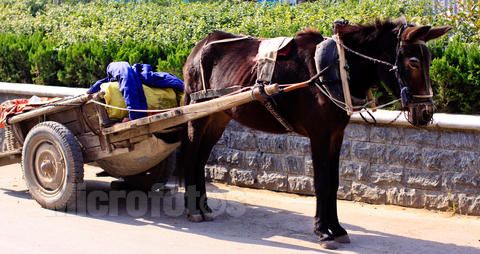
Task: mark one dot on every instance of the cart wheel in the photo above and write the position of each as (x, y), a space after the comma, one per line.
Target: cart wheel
(52, 163)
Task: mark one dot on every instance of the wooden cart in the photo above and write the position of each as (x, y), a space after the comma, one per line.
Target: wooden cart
(54, 141)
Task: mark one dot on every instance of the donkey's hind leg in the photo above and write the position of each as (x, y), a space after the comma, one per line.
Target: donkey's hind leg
(203, 134)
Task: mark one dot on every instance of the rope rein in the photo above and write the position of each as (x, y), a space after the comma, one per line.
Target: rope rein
(374, 60)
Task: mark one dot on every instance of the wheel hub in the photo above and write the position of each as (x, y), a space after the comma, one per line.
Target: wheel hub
(49, 167)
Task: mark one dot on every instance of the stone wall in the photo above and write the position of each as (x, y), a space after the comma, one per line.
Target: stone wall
(433, 169)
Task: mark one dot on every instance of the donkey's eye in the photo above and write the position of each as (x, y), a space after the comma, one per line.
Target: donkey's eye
(414, 63)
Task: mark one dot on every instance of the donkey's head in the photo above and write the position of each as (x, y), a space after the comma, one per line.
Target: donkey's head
(413, 75)
(405, 60)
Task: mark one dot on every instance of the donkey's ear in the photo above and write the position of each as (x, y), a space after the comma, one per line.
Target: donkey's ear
(415, 32)
(436, 32)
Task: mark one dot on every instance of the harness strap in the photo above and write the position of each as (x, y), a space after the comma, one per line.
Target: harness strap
(269, 105)
(266, 61)
(207, 44)
(212, 93)
(344, 75)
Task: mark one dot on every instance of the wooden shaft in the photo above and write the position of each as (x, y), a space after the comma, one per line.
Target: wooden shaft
(295, 87)
(183, 114)
(59, 106)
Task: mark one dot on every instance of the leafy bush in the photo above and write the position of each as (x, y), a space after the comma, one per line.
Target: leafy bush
(14, 63)
(457, 77)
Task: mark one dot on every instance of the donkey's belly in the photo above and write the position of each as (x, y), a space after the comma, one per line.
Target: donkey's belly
(254, 115)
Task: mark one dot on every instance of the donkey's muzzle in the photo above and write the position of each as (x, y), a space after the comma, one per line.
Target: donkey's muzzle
(420, 114)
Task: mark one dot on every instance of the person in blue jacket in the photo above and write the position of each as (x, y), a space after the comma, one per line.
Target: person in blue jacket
(130, 80)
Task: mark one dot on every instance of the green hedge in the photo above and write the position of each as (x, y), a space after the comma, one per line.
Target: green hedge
(71, 44)
(457, 77)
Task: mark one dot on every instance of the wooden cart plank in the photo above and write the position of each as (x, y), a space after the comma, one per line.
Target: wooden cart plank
(59, 106)
(184, 114)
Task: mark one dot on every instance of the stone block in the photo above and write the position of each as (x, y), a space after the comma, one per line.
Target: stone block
(461, 182)
(469, 204)
(235, 126)
(422, 137)
(424, 181)
(386, 135)
(385, 174)
(309, 166)
(217, 173)
(358, 132)
(468, 161)
(294, 164)
(272, 181)
(263, 161)
(270, 143)
(458, 140)
(301, 185)
(409, 156)
(298, 145)
(354, 170)
(477, 141)
(441, 201)
(405, 197)
(223, 139)
(379, 153)
(345, 151)
(245, 141)
(369, 194)
(361, 151)
(225, 156)
(440, 160)
(345, 190)
(242, 177)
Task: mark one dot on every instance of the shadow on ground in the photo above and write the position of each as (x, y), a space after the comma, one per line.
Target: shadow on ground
(235, 221)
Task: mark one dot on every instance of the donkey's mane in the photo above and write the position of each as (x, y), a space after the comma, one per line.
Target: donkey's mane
(362, 33)
(365, 33)
(309, 31)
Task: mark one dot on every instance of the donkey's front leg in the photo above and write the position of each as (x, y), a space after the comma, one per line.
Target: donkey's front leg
(325, 155)
(338, 232)
(203, 134)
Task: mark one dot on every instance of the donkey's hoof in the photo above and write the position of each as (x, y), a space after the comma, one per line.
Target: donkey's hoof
(329, 245)
(328, 242)
(342, 239)
(195, 217)
(208, 217)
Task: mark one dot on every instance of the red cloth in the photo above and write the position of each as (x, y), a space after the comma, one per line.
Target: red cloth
(13, 107)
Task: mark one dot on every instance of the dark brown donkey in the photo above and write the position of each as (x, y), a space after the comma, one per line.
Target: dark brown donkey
(404, 67)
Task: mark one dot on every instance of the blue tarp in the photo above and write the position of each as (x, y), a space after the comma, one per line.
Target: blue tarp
(130, 80)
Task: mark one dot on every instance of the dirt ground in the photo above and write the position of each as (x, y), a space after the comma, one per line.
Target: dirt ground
(248, 221)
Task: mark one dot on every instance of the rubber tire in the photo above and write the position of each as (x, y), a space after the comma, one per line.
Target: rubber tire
(159, 174)
(67, 144)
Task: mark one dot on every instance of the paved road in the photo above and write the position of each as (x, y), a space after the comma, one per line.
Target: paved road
(248, 221)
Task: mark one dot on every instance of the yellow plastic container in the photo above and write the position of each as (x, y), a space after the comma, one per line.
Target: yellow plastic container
(157, 98)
